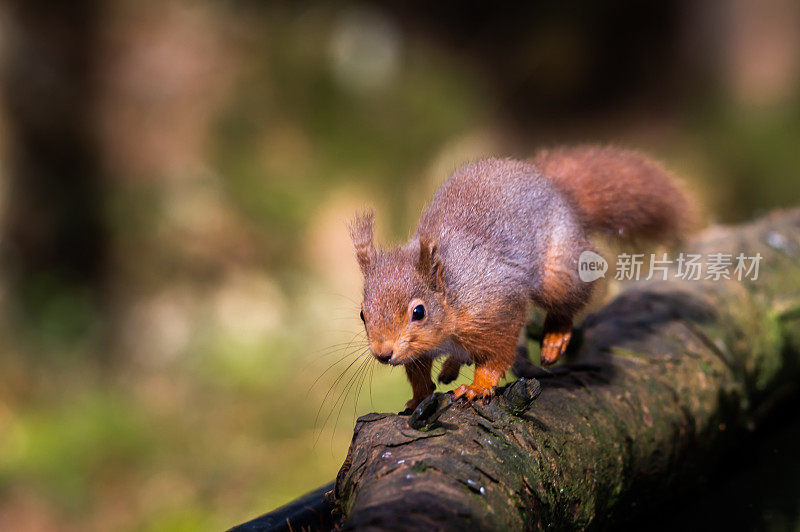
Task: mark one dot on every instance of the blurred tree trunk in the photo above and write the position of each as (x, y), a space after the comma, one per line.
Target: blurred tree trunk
(54, 236)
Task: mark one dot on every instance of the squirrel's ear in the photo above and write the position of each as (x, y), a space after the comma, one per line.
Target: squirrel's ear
(361, 233)
(430, 265)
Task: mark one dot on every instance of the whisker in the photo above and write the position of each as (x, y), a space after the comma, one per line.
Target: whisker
(339, 348)
(333, 386)
(325, 351)
(371, 371)
(343, 397)
(331, 389)
(360, 386)
(361, 331)
(343, 357)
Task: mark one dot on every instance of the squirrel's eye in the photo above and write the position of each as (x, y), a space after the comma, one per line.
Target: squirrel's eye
(418, 313)
(362, 315)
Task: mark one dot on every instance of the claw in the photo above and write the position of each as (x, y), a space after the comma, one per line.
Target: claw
(465, 394)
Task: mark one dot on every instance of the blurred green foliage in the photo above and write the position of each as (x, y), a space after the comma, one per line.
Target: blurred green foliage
(211, 383)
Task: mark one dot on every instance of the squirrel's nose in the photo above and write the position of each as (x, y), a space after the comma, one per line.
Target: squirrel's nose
(383, 352)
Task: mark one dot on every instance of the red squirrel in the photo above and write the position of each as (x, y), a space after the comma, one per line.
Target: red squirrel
(498, 235)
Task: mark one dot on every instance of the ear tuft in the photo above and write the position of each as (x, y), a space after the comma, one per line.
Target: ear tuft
(362, 234)
(429, 264)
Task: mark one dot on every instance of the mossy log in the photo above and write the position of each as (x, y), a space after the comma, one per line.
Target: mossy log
(656, 386)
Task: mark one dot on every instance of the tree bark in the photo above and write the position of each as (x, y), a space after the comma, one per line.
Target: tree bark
(656, 386)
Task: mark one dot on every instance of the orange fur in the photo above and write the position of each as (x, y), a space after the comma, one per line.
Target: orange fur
(619, 192)
(558, 283)
(492, 341)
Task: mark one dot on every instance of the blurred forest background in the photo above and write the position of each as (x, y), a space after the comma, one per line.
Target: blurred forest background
(175, 178)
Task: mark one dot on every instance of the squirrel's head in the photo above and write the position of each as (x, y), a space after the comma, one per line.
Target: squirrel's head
(403, 310)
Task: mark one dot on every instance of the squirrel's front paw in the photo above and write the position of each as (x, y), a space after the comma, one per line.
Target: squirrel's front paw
(472, 392)
(553, 346)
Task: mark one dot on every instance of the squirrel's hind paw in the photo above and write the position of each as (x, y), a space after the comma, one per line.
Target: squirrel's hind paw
(553, 346)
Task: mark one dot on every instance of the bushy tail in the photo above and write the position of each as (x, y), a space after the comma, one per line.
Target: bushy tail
(620, 193)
